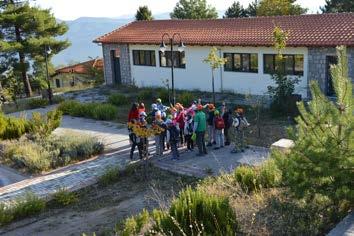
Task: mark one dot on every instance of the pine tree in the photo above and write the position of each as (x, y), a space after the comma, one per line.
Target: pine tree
(321, 164)
(25, 33)
(333, 6)
(143, 13)
(236, 10)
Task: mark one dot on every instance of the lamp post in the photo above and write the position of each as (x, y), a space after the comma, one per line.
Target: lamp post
(48, 51)
(163, 48)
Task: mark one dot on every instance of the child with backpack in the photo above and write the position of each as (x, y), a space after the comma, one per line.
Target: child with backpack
(159, 138)
(219, 126)
(188, 131)
(173, 138)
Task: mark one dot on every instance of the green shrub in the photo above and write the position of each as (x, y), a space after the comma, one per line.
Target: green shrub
(28, 155)
(105, 112)
(72, 146)
(37, 102)
(43, 126)
(146, 94)
(110, 176)
(118, 99)
(68, 107)
(12, 127)
(186, 98)
(6, 215)
(29, 205)
(63, 197)
(163, 94)
(96, 111)
(134, 225)
(247, 177)
(58, 99)
(269, 174)
(195, 212)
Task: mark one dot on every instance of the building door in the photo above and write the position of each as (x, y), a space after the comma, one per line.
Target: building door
(115, 67)
(330, 60)
(57, 82)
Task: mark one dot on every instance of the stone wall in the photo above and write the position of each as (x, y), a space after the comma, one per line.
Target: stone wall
(125, 69)
(317, 64)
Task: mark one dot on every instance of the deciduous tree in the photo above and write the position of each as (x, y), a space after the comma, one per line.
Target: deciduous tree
(279, 8)
(193, 9)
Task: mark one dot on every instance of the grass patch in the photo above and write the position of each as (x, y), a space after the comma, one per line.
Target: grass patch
(118, 99)
(28, 205)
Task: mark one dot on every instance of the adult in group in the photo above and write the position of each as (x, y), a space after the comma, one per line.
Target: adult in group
(227, 116)
(200, 128)
(211, 127)
(133, 117)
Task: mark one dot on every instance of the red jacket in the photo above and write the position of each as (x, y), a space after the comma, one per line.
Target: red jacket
(180, 119)
(133, 115)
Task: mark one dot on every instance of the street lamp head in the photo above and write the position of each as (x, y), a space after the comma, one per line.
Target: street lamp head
(162, 47)
(181, 47)
(48, 50)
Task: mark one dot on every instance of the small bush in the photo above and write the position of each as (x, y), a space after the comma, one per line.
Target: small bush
(68, 107)
(12, 127)
(64, 198)
(247, 177)
(105, 112)
(43, 126)
(269, 174)
(146, 94)
(186, 98)
(163, 94)
(28, 155)
(37, 102)
(118, 99)
(195, 212)
(110, 176)
(134, 225)
(28, 206)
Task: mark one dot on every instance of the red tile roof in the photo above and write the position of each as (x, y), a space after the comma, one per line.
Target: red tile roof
(305, 30)
(81, 68)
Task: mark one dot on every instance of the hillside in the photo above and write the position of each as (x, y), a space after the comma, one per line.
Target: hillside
(81, 33)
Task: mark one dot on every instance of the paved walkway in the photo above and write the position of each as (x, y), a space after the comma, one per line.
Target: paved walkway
(9, 176)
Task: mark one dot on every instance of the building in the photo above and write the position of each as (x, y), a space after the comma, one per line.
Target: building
(131, 53)
(80, 73)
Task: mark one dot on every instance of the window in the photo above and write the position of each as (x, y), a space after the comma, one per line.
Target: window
(242, 62)
(291, 65)
(144, 58)
(178, 59)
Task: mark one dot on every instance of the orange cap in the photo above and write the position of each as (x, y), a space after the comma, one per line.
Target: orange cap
(199, 107)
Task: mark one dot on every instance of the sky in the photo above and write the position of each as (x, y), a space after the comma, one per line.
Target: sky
(73, 9)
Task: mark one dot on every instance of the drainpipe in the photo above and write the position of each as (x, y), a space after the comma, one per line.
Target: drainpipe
(221, 79)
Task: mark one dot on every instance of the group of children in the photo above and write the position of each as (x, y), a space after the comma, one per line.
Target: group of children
(188, 126)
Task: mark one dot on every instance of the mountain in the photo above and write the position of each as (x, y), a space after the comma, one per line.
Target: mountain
(84, 30)
(81, 33)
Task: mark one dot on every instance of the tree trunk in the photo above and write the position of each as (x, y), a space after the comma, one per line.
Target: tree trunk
(213, 84)
(22, 61)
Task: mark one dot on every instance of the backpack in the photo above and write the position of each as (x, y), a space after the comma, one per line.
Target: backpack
(219, 123)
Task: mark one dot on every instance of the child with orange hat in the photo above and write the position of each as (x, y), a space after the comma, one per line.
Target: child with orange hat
(211, 127)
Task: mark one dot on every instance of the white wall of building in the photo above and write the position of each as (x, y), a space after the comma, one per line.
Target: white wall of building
(197, 74)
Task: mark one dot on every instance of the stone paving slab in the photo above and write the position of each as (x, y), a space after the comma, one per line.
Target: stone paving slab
(215, 162)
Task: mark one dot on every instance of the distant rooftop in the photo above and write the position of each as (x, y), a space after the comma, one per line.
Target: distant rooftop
(305, 30)
(81, 68)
